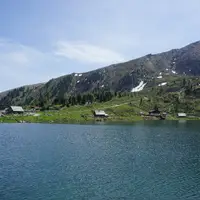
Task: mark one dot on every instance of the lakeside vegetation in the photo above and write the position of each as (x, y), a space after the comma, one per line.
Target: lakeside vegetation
(125, 107)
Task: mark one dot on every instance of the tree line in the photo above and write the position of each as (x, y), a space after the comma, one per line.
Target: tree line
(80, 99)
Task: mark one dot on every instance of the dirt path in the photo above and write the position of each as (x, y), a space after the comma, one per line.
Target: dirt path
(117, 105)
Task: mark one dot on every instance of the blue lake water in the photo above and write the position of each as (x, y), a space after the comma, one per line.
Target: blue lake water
(146, 160)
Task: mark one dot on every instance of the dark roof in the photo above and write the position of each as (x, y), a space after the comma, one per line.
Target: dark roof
(154, 111)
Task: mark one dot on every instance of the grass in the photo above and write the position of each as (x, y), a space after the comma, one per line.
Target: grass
(125, 109)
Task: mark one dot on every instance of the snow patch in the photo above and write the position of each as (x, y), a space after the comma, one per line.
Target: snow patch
(140, 87)
(162, 84)
(167, 69)
(174, 72)
(159, 77)
(160, 73)
(102, 86)
(80, 74)
(78, 81)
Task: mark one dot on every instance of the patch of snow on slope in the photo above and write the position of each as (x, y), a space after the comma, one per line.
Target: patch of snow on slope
(160, 73)
(140, 87)
(162, 84)
(78, 81)
(159, 77)
(102, 86)
(80, 74)
(76, 75)
(174, 72)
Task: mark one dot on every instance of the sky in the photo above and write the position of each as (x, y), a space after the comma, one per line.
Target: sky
(44, 39)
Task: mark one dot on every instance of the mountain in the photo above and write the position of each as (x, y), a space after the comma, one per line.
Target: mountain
(152, 69)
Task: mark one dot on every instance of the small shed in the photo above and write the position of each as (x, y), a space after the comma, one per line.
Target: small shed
(181, 115)
(154, 113)
(15, 110)
(100, 113)
(164, 114)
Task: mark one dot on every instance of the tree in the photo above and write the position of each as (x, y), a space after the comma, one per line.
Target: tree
(70, 100)
(156, 107)
(184, 82)
(176, 107)
(141, 100)
(84, 99)
(108, 96)
(62, 101)
(90, 97)
(56, 101)
(79, 99)
(74, 102)
(119, 94)
(41, 100)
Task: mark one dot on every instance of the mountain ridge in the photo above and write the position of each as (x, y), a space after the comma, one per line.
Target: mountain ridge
(120, 77)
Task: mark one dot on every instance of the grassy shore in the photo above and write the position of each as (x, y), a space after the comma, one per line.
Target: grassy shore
(119, 110)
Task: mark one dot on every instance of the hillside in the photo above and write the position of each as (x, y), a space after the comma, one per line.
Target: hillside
(163, 69)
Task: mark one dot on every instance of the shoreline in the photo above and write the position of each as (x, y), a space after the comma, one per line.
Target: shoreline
(76, 121)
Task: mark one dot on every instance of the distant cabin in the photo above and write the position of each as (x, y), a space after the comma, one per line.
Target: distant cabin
(181, 115)
(154, 113)
(100, 113)
(15, 110)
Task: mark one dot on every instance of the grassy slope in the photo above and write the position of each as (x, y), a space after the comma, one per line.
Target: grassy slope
(82, 113)
(119, 109)
(127, 108)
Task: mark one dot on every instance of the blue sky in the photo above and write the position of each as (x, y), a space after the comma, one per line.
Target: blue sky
(42, 39)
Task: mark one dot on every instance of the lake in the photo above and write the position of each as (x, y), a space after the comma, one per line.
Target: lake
(157, 160)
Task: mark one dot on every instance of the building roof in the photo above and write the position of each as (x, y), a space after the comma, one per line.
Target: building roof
(182, 114)
(100, 112)
(17, 108)
(154, 111)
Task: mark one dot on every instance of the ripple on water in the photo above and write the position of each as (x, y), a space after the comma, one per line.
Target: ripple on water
(150, 160)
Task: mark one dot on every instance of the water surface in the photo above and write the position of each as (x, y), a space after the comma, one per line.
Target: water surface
(147, 160)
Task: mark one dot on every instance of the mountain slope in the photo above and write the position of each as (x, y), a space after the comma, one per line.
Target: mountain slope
(117, 77)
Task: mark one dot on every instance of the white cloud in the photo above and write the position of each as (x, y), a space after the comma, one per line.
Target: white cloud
(22, 65)
(87, 53)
